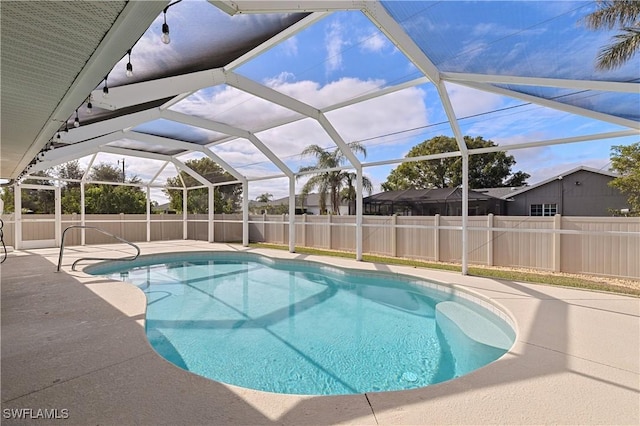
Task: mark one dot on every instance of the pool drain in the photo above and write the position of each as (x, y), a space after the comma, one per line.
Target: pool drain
(409, 376)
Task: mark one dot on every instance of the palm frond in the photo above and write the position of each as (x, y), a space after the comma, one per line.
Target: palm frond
(618, 53)
(610, 14)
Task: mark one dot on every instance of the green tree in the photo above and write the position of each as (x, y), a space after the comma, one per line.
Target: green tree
(331, 183)
(625, 160)
(226, 198)
(488, 170)
(70, 191)
(623, 14)
(110, 199)
(8, 199)
(264, 198)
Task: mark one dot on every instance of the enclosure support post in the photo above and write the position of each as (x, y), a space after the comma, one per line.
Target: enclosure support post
(185, 229)
(83, 240)
(245, 214)
(58, 213)
(359, 213)
(17, 198)
(211, 209)
(292, 214)
(148, 214)
(465, 213)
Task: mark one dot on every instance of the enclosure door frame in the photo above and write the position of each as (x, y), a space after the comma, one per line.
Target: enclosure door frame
(20, 219)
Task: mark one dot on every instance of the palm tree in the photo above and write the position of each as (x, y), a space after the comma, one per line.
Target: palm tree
(622, 13)
(330, 183)
(264, 198)
(348, 193)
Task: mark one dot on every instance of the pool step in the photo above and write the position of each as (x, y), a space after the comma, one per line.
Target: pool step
(473, 338)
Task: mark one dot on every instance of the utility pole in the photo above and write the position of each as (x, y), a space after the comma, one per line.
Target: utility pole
(122, 169)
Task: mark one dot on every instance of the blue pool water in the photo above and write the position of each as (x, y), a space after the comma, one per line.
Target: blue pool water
(304, 328)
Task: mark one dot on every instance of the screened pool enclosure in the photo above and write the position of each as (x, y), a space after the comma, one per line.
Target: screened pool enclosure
(250, 84)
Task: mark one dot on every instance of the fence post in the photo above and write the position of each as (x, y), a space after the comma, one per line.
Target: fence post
(557, 225)
(329, 230)
(394, 237)
(490, 239)
(304, 230)
(436, 238)
(284, 220)
(224, 229)
(264, 226)
(122, 226)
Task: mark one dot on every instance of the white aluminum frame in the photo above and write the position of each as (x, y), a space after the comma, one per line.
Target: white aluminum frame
(95, 138)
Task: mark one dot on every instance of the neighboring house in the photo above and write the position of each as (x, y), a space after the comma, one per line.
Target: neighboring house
(583, 191)
(429, 202)
(311, 205)
(163, 208)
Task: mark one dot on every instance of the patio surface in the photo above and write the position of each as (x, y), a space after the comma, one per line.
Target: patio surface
(75, 342)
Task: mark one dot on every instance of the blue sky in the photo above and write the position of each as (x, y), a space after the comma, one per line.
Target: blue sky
(344, 55)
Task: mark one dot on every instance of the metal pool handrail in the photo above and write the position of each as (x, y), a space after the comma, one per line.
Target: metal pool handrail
(73, 266)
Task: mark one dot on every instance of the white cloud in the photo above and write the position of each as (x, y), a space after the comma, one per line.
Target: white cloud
(290, 46)
(334, 42)
(375, 42)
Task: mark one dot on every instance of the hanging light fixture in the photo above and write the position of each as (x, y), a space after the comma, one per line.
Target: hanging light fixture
(129, 66)
(165, 29)
(105, 89)
(76, 122)
(89, 105)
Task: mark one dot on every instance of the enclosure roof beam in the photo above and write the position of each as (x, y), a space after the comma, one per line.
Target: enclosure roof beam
(227, 129)
(135, 153)
(147, 91)
(276, 39)
(608, 86)
(181, 166)
(286, 6)
(160, 170)
(178, 144)
(247, 85)
(376, 94)
(342, 104)
(451, 116)
(104, 127)
(379, 16)
(63, 154)
(269, 94)
(232, 171)
(230, 130)
(414, 159)
(608, 118)
(562, 141)
(161, 140)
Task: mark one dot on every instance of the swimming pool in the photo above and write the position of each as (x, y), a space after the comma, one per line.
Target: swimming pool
(306, 328)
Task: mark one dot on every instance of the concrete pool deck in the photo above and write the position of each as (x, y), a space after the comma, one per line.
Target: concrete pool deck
(75, 342)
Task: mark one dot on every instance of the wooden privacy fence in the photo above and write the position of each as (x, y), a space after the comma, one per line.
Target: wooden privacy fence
(607, 246)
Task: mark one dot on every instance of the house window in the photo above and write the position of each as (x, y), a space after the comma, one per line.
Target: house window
(543, 210)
